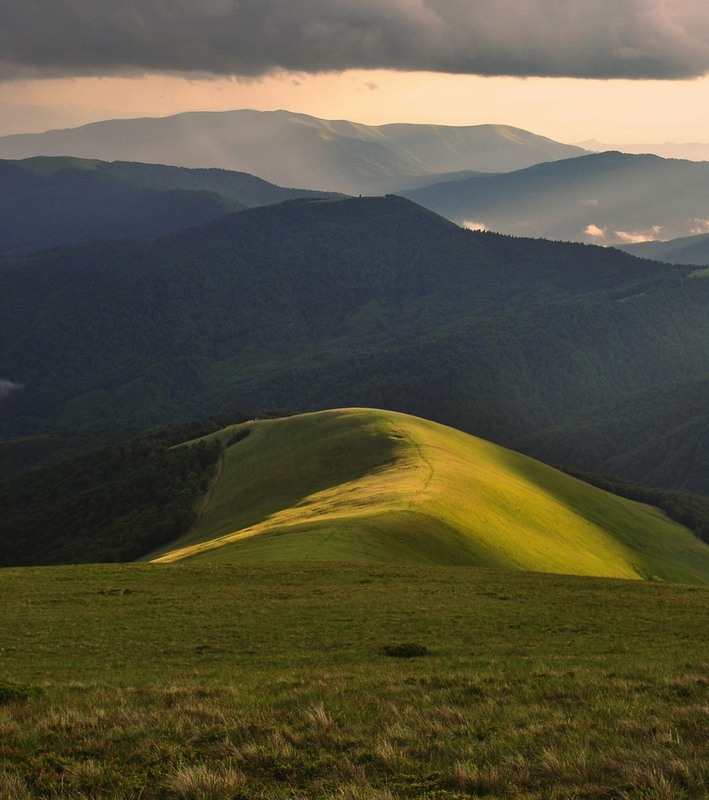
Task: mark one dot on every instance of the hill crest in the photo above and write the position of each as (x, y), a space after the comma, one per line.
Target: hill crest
(383, 487)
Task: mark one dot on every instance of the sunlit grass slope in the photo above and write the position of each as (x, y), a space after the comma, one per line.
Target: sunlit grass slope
(364, 485)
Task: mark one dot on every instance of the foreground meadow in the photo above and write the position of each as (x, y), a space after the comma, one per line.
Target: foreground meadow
(274, 681)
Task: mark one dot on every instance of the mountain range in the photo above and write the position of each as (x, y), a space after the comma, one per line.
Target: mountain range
(605, 198)
(138, 294)
(490, 177)
(298, 150)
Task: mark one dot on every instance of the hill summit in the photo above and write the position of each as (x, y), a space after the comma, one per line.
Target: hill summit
(364, 485)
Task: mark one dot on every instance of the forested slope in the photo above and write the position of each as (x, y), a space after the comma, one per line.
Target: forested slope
(47, 201)
(72, 202)
(367, 302)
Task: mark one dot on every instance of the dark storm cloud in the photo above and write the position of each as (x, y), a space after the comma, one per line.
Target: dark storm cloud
(576, 38)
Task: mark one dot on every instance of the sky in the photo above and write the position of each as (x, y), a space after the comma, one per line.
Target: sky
(618, 71)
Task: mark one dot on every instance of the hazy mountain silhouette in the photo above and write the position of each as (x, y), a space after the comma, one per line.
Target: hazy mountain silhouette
(298, 150)
(604, 198)
(685, 250)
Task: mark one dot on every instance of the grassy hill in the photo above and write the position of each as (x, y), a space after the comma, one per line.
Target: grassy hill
(365, 485)
(275, 681)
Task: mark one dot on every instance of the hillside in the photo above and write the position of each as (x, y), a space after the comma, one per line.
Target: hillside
(73, 202)
(364, 485)
(665, 430)
(350, 485)
(310, 305)
(47, 202)
(112, 503)
(685, 250)
(281, 680)
(298, 150)
(604, 198)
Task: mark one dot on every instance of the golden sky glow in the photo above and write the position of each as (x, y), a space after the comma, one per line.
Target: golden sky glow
(566, 109)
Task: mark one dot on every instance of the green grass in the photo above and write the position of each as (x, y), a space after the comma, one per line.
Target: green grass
(360, 485)
(271, 681)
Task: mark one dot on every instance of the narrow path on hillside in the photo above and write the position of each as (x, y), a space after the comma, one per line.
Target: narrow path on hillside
(429, 466)
(207, 499)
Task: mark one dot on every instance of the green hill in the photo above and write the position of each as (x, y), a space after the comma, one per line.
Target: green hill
(365, 485)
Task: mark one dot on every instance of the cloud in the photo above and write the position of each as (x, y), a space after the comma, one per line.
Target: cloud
(472, 225)
(635, 237)
(7, 387)
(661, 39)
(595, 231)
(699, 226)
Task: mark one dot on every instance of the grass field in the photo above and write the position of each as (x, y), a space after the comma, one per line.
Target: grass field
(233, 681)
(362, 485)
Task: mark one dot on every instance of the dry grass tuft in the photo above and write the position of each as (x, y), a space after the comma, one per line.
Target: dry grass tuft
(320, 720)
(481, 780)
(13, 788)
(355, 791)
(200, 782)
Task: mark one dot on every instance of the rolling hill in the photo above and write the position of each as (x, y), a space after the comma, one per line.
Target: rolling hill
(364, 485)
(298, 150)
(45, 202)
(605, 198)
(348, 485)
(685, 250)
(691, 151)
(317, 304)
(44, 205)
